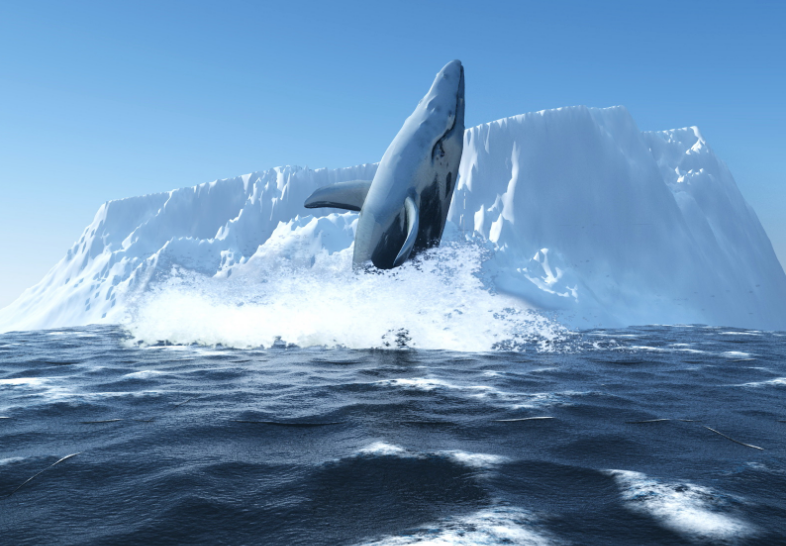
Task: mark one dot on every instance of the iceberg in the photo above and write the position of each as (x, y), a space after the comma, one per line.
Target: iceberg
(613, 226)
(578, 213)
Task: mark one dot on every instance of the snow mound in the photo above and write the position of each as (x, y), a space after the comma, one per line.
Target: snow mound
(575, 211)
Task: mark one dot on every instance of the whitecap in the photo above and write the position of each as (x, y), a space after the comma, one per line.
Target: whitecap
(761, 467)
(32, 382)
(551, 399)
(429, 384)
(495, 525)
(509, 400)
(34, 387)
(464, 458)
(777, 382)
(11, 460)
(643, 348)
(383, 449)
(48, 390)
(473, 460)
(143, 374)
(738, 355)
(685, 348)
(693, 511)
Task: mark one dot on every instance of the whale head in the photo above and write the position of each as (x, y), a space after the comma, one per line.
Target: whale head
(419, 169)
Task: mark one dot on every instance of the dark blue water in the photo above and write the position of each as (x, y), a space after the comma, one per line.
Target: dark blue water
(188, 445)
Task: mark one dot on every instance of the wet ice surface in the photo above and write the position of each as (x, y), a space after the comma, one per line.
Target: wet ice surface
(211, 445)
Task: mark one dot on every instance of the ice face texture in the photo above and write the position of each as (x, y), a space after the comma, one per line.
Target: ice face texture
(613, 226)
(582, 214)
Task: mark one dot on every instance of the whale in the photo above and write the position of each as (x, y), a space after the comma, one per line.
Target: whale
(404, 208)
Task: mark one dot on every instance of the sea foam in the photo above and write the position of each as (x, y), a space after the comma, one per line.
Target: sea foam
(693, 511)
(497, 525)
(437, 302)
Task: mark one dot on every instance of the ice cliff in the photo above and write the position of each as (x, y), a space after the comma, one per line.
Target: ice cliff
(578, 211)
(590, 216)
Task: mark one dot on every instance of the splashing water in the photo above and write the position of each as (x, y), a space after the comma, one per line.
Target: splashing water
(438, 301)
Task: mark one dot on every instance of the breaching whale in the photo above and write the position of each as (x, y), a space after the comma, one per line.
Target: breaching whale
(404, 208)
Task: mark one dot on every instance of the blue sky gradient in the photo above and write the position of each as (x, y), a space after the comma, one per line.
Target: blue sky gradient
(104, 100)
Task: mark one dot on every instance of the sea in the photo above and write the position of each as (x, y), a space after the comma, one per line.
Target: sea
(653, 435)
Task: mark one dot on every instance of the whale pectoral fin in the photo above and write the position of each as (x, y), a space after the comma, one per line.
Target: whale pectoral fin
(413, 222)
(341, 195)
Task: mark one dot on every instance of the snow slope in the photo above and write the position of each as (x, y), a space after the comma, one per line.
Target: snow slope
(578, 212)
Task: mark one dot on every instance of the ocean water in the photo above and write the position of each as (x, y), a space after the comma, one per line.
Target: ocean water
(650, 435)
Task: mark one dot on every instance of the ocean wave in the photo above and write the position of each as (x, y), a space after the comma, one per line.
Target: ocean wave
(32, 390)
(777, 382)
(144, 374)
(761, 467)
(693, 511)
(512, 400)
(737, 355)
(464, 458)
(11, 460)
(497, 525)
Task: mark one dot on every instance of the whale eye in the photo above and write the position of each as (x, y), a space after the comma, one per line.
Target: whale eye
(438, 152)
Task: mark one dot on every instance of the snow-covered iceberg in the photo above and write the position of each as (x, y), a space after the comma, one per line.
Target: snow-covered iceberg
(576, 211)
(615, 226)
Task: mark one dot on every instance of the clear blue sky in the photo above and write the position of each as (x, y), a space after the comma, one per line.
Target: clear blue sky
(103, 100)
